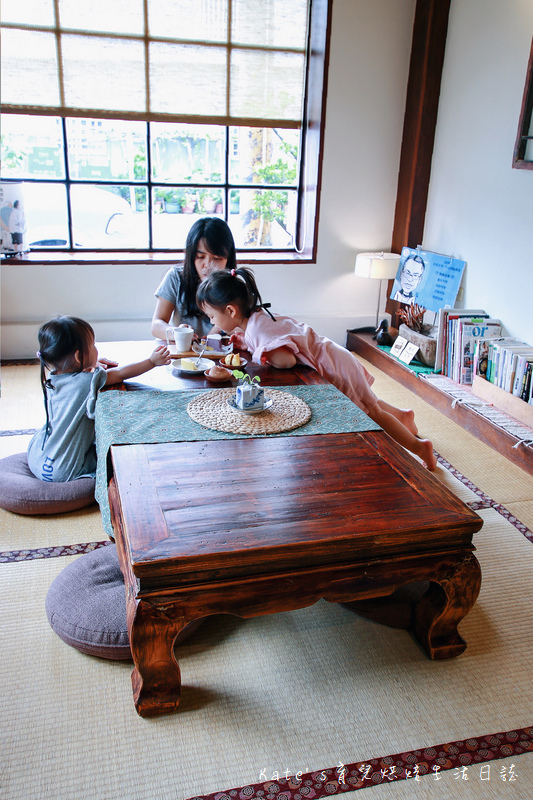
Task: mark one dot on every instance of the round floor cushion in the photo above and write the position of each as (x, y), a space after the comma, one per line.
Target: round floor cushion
(23, 493)
(86, 606)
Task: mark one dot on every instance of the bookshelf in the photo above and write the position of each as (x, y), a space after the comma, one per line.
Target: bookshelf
(496, 437)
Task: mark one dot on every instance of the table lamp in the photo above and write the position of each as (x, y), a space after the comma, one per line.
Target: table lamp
(382, 266)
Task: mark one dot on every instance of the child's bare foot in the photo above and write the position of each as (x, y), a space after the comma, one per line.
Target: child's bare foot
(425, 452)
(407, 417)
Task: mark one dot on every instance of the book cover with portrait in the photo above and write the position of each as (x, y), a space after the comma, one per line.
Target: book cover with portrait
(430, 280)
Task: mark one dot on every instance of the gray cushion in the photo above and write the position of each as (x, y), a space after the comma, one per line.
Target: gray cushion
(23, 493)
(86, 606)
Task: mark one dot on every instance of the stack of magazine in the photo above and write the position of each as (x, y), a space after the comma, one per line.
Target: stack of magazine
(459, 329)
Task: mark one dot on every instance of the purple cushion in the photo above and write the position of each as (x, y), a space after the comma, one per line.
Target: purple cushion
(86, 606)
(23, 493)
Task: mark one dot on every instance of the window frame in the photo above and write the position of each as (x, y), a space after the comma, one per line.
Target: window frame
(525, 124)
(310, 169)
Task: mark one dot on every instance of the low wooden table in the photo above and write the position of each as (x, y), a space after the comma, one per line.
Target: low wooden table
(261, 525)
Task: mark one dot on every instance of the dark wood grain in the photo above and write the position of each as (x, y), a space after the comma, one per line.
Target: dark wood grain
(258, 526)
(165, 379)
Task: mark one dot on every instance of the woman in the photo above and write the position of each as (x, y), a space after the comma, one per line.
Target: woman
(209, 247)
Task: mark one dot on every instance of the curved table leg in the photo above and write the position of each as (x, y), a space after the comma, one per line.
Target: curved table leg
(156, 678)
(452, 593)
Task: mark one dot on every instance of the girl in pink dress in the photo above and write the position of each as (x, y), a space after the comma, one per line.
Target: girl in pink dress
(232, 301)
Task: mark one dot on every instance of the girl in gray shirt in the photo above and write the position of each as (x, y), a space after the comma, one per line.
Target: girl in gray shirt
(71, 377)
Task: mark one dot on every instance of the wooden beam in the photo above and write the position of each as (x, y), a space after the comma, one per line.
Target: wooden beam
(422, 102)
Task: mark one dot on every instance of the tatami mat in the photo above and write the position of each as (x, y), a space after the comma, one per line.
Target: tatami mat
(300, 691)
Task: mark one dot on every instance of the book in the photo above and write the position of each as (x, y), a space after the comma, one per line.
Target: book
(494, 350)
(509, 363)
(521, 366)
(455, 352)
(525, 394)
(469, 331)
(442, 326)
(482, 356)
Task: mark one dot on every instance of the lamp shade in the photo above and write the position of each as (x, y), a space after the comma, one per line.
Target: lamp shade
(382, 266)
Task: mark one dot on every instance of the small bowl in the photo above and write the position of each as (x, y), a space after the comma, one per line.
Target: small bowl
(228, 366)
(221, 379)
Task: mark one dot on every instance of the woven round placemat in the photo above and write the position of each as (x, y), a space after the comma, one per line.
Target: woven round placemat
(212, 411)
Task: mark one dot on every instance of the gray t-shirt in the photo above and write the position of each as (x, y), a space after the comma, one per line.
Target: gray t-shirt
(68, 452)
(169, 289)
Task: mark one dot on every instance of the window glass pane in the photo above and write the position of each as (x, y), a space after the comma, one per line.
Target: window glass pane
(31, 81)
(175, 211)
(263, 218)
(109, 217)
(103, 73)
(40, 12)
(528, 155)
(189, 19)
(109, 16)
(32, 147)
(187, 79)
(263, 155)
(283, 23)
(276, 91)
(187, 153)
(100, 149)
(46, 215)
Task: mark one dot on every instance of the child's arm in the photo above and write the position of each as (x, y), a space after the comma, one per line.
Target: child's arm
(281, 357)
(237, 338)
(159, 357)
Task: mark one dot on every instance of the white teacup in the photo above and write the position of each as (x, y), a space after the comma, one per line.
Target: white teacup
(182, 337)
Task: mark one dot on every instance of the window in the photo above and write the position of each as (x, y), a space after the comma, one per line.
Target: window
(153, 113)
(523, 154)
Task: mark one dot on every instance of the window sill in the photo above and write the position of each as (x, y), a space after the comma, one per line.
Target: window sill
(137, 257)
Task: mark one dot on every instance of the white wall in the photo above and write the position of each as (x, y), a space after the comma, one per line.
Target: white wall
(370, 49)
(479, 208)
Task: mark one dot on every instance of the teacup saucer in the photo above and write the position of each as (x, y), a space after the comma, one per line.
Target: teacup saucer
(233, 404)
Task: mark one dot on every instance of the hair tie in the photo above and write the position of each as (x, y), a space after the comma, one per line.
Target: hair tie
(233, 272)
(38, 354)
(266, 306)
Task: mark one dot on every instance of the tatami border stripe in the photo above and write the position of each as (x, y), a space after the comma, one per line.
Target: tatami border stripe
(485, 501)
(10, 556)
(411, 765)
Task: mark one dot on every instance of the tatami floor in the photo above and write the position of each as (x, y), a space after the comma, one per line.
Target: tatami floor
(302, 690)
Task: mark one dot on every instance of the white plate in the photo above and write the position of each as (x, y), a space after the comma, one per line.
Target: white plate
(197, 347)
(232, 404)
(204, 364)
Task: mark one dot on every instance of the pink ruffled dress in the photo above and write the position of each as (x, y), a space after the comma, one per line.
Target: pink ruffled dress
(333, 362)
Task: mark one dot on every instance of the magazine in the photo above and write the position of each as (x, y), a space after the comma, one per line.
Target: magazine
(469, 330)
(442, 326)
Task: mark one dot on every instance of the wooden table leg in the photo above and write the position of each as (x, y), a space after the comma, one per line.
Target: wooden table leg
(156, 678)
(452, 593)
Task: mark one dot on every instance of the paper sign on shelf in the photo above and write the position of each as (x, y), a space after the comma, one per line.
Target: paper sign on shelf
(408, 353)
(398, 346)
